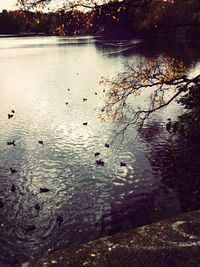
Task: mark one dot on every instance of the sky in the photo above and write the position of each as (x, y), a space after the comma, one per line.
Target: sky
(7, 4)
(10, 4)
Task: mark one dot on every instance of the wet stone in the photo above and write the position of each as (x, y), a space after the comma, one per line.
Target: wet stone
(174, 242)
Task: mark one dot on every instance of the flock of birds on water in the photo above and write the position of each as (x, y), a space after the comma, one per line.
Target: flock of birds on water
(13, 188)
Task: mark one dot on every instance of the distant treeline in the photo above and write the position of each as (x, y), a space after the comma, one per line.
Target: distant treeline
(182, 17)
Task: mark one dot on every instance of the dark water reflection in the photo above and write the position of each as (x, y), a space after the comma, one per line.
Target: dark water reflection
(35, 75)
(186, 51)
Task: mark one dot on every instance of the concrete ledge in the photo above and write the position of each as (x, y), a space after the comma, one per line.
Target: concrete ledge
(169, 243)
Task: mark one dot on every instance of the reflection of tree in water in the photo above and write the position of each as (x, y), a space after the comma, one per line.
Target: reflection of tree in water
(174, 148)
(178, 160)
(151, 131)
(185, 51)
(142, 209)
(148, 205)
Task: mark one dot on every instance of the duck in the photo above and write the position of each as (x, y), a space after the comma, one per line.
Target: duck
(59, 220)
(66, 103)
(37, 207)
(13, 111)
(97, 154)
(84, 99)
(107, 145)
(68, 89)
(95, 93)
(123, 164)
(100, 162)
(29, 228)
(13, 171)
(169, 125)
(11, 143)
(10, 116)
(13, 188)
(41, 142)
(44, 190)
(1, 204)
(85, 123)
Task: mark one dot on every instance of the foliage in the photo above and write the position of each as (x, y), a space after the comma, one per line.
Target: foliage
(112, 17)
(178, 160)
(7, 23)
(58, 23)
(156, 77)
(188, 124)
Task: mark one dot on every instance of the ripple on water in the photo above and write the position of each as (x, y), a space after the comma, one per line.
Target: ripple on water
(92, 200)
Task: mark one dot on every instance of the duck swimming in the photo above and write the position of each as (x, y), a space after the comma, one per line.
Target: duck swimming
(13, 188)
(123, 164)
(10, 116)
(13, 171)
(1, 204)
(29, 228)
(44, 190)
(59, 220)
(37, 207)
(11, 143)
(100, 162)
(169, 125)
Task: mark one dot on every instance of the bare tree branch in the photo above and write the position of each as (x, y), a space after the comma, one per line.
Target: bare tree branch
(156, 77)
(67, 4)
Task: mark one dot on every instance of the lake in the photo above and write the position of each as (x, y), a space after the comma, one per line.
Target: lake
(38, 75)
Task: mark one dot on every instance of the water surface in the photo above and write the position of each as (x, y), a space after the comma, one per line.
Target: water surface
(35, 75)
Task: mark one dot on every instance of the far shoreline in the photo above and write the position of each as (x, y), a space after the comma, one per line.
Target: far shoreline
(159, 36)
